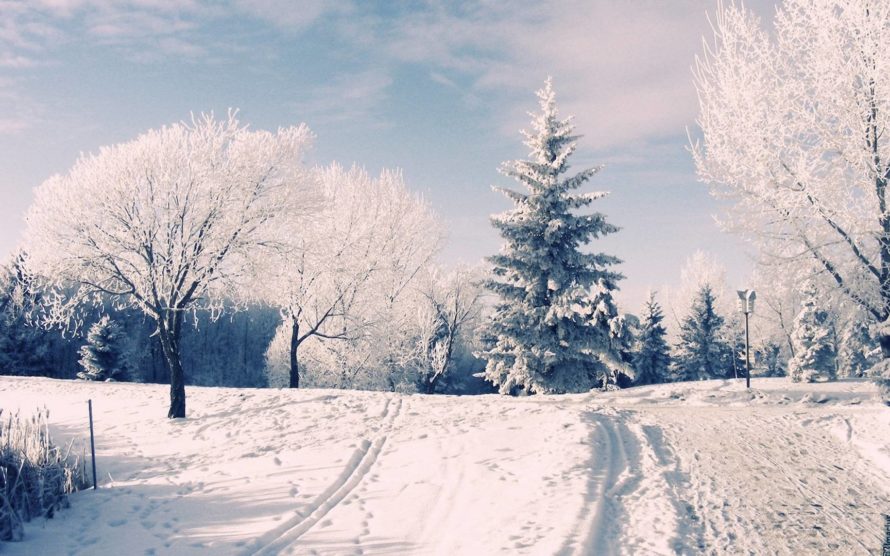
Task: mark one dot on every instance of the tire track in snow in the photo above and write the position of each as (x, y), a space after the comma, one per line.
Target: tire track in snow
(608, 463)
(632, 499)
(358, 466)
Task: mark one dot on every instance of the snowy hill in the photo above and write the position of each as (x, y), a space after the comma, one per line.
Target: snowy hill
(692, 468)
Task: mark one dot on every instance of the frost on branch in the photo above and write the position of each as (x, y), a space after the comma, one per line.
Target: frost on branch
(793, 131)
(545, 334)
(171, 222)
(342, 274)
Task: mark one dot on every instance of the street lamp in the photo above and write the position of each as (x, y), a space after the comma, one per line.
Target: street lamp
(746, 305)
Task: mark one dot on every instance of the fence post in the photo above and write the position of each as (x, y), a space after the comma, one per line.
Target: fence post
(92, 444)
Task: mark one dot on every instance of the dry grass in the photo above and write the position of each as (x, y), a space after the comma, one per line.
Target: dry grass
(36, 476)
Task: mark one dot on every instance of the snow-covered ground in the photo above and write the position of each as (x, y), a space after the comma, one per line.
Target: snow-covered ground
(683, 468)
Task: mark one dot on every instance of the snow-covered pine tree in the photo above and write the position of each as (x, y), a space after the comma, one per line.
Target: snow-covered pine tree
(858, 351)
(812, 336)
(544, 336)
(105, 355)
(606, 316)
(652, 356)
(702, 352)
(770, 357)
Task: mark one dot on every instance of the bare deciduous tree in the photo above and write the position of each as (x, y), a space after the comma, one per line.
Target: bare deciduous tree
(342, 272)
(794, 132)
(447, 305)
(168, 223)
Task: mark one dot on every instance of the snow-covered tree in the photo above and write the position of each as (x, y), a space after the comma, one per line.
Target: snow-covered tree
(793, 131)
(106, 355)
(814, 351)
(24, 348)
(171, 222)
(342, 272)
(702, 352)
(699, 269)
(770, 358)
(620, 327)
(858, 350)
(448, 304)
(652, 357)
(542, 336)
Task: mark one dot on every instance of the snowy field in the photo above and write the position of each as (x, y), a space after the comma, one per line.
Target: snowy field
(680, 468)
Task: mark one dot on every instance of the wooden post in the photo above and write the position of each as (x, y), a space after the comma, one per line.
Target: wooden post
(92, 444)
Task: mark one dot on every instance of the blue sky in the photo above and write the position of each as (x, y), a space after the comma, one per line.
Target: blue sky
(439, 89)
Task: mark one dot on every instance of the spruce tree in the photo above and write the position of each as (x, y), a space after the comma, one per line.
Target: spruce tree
(859, 351)
(702, 352)
(812, 337)
(652, 357)
(544, 337)
(770, 356)
(105, 355)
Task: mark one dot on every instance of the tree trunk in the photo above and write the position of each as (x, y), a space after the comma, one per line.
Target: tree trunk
(294, 344)
(169, 328)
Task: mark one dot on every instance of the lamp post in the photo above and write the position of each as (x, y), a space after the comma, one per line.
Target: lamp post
(746, 305)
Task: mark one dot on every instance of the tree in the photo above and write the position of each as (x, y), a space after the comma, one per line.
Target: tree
(342, 271)
(814, 351)
(619, 337)
(793, 132)
(770, 357)
(169, 223)
(857, 349)
(702, 353)
(448, 305)
(24, 348)
(543, 338)
(105, 355)
(652, 357)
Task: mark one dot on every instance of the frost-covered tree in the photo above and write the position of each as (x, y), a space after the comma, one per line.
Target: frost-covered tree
(814, 351)
(770, 358)
(171, 222)
(858, 350)
(652, 358)
(106, 355)
(542, 337)
(794, 131)
(702, 352)
(447, 306)
(620, 336)
(342, 271)
(24, 348)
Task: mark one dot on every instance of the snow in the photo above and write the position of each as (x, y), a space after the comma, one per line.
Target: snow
(691, 467)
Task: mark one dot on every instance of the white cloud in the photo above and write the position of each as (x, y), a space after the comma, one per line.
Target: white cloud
(355, 97)
(623, 68)
(289, 15)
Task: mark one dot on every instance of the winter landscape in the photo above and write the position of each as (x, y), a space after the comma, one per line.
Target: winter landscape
(306, 326)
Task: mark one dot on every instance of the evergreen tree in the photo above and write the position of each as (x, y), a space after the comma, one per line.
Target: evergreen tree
(859, 351)
(652, 357)
(606, 316)
(702, 352)
(24, 349)
(105, 355)
(545, 337)
(812, 336)
(771, 360)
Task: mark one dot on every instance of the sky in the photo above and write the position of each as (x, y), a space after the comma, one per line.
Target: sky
(438, 89)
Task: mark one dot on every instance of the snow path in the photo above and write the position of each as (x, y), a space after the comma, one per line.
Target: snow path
(674, 469)
(356, 469)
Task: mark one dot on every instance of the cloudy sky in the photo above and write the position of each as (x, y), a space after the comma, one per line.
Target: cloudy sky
(439, 89)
